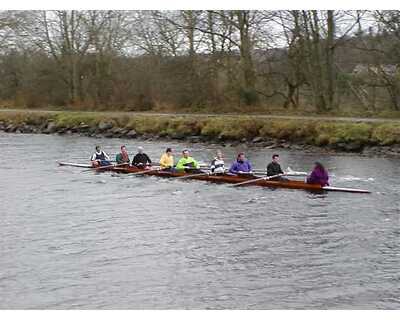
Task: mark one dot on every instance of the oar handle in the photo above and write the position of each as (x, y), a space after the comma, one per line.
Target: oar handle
(258, 179)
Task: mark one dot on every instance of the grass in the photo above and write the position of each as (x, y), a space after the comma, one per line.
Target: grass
(310, 132)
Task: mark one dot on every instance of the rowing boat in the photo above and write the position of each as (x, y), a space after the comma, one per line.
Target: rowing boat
(225, 178)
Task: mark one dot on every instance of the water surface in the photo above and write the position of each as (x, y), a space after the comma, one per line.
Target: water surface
(72, 239)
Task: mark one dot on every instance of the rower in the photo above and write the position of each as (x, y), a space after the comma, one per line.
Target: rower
(187, 163)
(123, 156)
(218, 164)
(319, 175)
(241, 165)
(141, 160)
(274, 168)
(167, 160)
(100, 158)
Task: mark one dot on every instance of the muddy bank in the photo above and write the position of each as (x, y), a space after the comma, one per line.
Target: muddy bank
(310, 136)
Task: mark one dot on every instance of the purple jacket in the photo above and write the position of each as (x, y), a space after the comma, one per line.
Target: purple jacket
(243, 166)
(318, 176)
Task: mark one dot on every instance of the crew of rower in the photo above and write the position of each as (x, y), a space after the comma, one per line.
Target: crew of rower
(218, 164)
(187, 164)
(100, 158)
(319, 175)
(241, 165)
(167, 160)
(123, 156)
(141, 160)
(274, 169)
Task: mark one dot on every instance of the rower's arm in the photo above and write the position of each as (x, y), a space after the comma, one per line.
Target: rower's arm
(269, 171)
(196, 164)
(212, 166)
(148, 159)
(312, 178)
(233, 168)
(180, 165)
(163, 161)
(135, 160)
(118, 158)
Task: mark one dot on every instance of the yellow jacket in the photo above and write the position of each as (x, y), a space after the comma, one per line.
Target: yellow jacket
(166, 161)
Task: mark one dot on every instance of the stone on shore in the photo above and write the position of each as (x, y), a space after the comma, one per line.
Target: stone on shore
(104, 125)
(131, 134)
(50, 128)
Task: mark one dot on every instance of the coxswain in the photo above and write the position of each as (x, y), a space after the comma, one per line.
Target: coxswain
(167, 160)
(241, 165)
(100, 158)
(319, 175)
(274, 168)
(218, 164)
(123, 156)
(187, 163)
(141, 160)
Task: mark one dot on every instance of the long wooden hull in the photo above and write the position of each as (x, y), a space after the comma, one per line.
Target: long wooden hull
(226, 178)
(232, 179)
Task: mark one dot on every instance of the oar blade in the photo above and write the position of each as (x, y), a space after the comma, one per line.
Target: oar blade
(72, 164)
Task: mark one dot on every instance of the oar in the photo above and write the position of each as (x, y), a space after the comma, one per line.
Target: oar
(195, 175)
(258, 179)
(144, 172)
(71, 164)
(289, 171)
(106, 167)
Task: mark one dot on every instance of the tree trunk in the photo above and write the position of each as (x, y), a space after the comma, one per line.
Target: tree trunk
(246, 62)
(330, 68)
(319, 79)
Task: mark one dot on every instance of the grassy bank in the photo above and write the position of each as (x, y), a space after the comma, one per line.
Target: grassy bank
(334, 134)
(349, 112)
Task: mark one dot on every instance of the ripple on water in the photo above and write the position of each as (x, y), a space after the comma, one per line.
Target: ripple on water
(73, 239)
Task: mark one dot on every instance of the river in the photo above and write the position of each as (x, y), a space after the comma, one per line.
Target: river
(75, 239)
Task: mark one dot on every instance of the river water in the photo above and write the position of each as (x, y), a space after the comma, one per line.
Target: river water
(79, 240)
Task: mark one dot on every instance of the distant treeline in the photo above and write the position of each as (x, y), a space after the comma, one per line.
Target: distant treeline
(322, 61)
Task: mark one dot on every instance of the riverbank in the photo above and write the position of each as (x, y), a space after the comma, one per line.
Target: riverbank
(362, 137)
(346, 114)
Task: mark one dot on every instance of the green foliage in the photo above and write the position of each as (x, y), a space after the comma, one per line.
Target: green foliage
(213, 127)
(30, 118)
(73, 119)
(291, 130)
(251, 126)
(334, 132)
(386, 134)
(33, 119)
(149, 125)
(229, 128)
(248, 97)
(184, 127)
(122, 121)
(233, 133)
